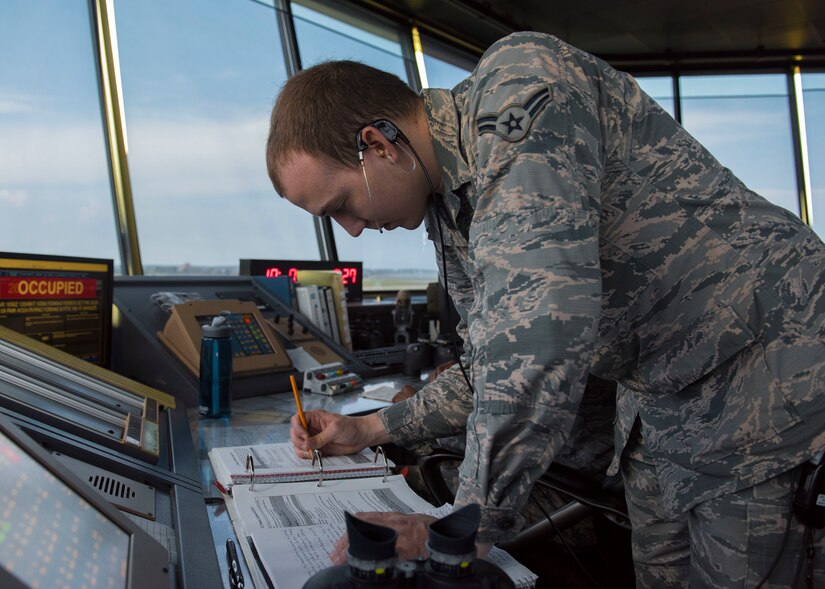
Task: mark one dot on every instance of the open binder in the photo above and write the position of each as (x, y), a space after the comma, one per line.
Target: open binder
(287, 531)
(288, 512)
(277, 463)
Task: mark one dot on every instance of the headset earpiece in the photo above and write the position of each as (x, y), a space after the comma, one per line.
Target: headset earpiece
(386, 128)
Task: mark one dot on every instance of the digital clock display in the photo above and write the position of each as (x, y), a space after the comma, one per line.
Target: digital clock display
(350, 272)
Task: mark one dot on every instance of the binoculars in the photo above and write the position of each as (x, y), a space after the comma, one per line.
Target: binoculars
(372, 561)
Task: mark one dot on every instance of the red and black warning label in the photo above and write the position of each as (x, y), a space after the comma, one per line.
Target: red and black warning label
(39, 288)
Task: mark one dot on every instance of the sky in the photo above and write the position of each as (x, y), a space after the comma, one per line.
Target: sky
(199, 78)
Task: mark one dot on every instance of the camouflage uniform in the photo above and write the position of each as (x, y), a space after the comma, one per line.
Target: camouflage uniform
(585, 230)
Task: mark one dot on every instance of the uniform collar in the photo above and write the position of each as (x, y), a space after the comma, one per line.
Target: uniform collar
(442, 117)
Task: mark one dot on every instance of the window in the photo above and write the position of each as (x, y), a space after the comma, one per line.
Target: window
(659, 89)
(326, 32)
(392, 260)
(444, 65)
(744, 121)
(813, 95)
(55, 190)
(199, 80)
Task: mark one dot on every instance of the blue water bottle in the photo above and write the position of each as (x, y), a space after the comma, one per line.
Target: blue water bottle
(216, 369)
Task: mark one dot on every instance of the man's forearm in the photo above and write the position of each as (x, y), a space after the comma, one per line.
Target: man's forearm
(372, 428)
(439, 410)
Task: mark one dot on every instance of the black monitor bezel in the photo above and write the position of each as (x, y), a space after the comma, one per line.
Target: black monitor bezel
(148, 560)
(108, 297)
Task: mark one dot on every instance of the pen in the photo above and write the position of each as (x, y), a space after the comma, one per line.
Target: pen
(235, 574)
(298, 402)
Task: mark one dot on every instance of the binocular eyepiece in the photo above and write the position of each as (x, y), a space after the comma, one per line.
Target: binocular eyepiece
(372, 560)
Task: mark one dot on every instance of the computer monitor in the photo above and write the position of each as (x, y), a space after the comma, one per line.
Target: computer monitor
(56, 531)
(65, 302)
(351, 272)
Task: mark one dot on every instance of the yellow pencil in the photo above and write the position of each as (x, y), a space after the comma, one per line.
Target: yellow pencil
(298, 402)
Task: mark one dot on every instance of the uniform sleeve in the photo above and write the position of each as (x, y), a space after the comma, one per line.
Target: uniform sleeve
(440, 409)
(534, 245)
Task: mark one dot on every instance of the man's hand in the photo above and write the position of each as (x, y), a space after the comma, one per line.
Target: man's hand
(335, 434)
(406, 392)
(441, 368)
(412, 528)
(482, 550)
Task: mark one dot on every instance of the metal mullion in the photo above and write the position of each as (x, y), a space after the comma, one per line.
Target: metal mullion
(408, 53)
(292, 58)
(105, 46)
(800, 144)
(329, 251)
(677, 97)
(289, 40)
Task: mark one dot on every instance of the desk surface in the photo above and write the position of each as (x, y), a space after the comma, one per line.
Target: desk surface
(263, 420)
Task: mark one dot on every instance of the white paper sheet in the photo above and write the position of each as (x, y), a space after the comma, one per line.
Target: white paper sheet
(284, 505)
(301, 359)
(294, 526)
(380, 393)
(292, 555)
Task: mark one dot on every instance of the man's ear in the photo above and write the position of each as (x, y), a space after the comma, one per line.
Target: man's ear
(376, 139)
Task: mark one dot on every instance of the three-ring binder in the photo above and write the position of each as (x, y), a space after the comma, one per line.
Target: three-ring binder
(259, 465)
(316, 455)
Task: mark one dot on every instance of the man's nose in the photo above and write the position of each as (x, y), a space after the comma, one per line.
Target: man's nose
(351, 225)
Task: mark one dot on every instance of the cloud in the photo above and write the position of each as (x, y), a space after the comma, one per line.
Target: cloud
(743, 125)
(11, 103)
(183, 158)
(55, 154)
(15, 198)
(191, 157)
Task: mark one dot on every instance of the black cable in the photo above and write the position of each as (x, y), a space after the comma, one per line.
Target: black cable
(566, 545)
(807, 554)
(434, 196)
(455, 344)
(447, 302)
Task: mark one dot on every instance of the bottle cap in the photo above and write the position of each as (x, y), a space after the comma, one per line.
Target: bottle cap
(218, 328)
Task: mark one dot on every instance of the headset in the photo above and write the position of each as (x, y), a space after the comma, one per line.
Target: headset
(388, 130)
(392, 133)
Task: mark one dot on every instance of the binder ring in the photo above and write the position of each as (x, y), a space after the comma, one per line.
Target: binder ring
(250, 466)
(317, 454)
(380, 450)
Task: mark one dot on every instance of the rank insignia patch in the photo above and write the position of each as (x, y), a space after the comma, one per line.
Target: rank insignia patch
(513, 122)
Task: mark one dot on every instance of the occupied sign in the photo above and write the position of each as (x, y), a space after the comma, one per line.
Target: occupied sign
(47, 288)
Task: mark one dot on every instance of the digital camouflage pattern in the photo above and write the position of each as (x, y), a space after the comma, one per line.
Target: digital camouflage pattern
(591, 233)
(729, 541)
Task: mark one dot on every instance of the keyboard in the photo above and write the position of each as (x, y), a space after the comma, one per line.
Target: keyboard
(382, 356)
